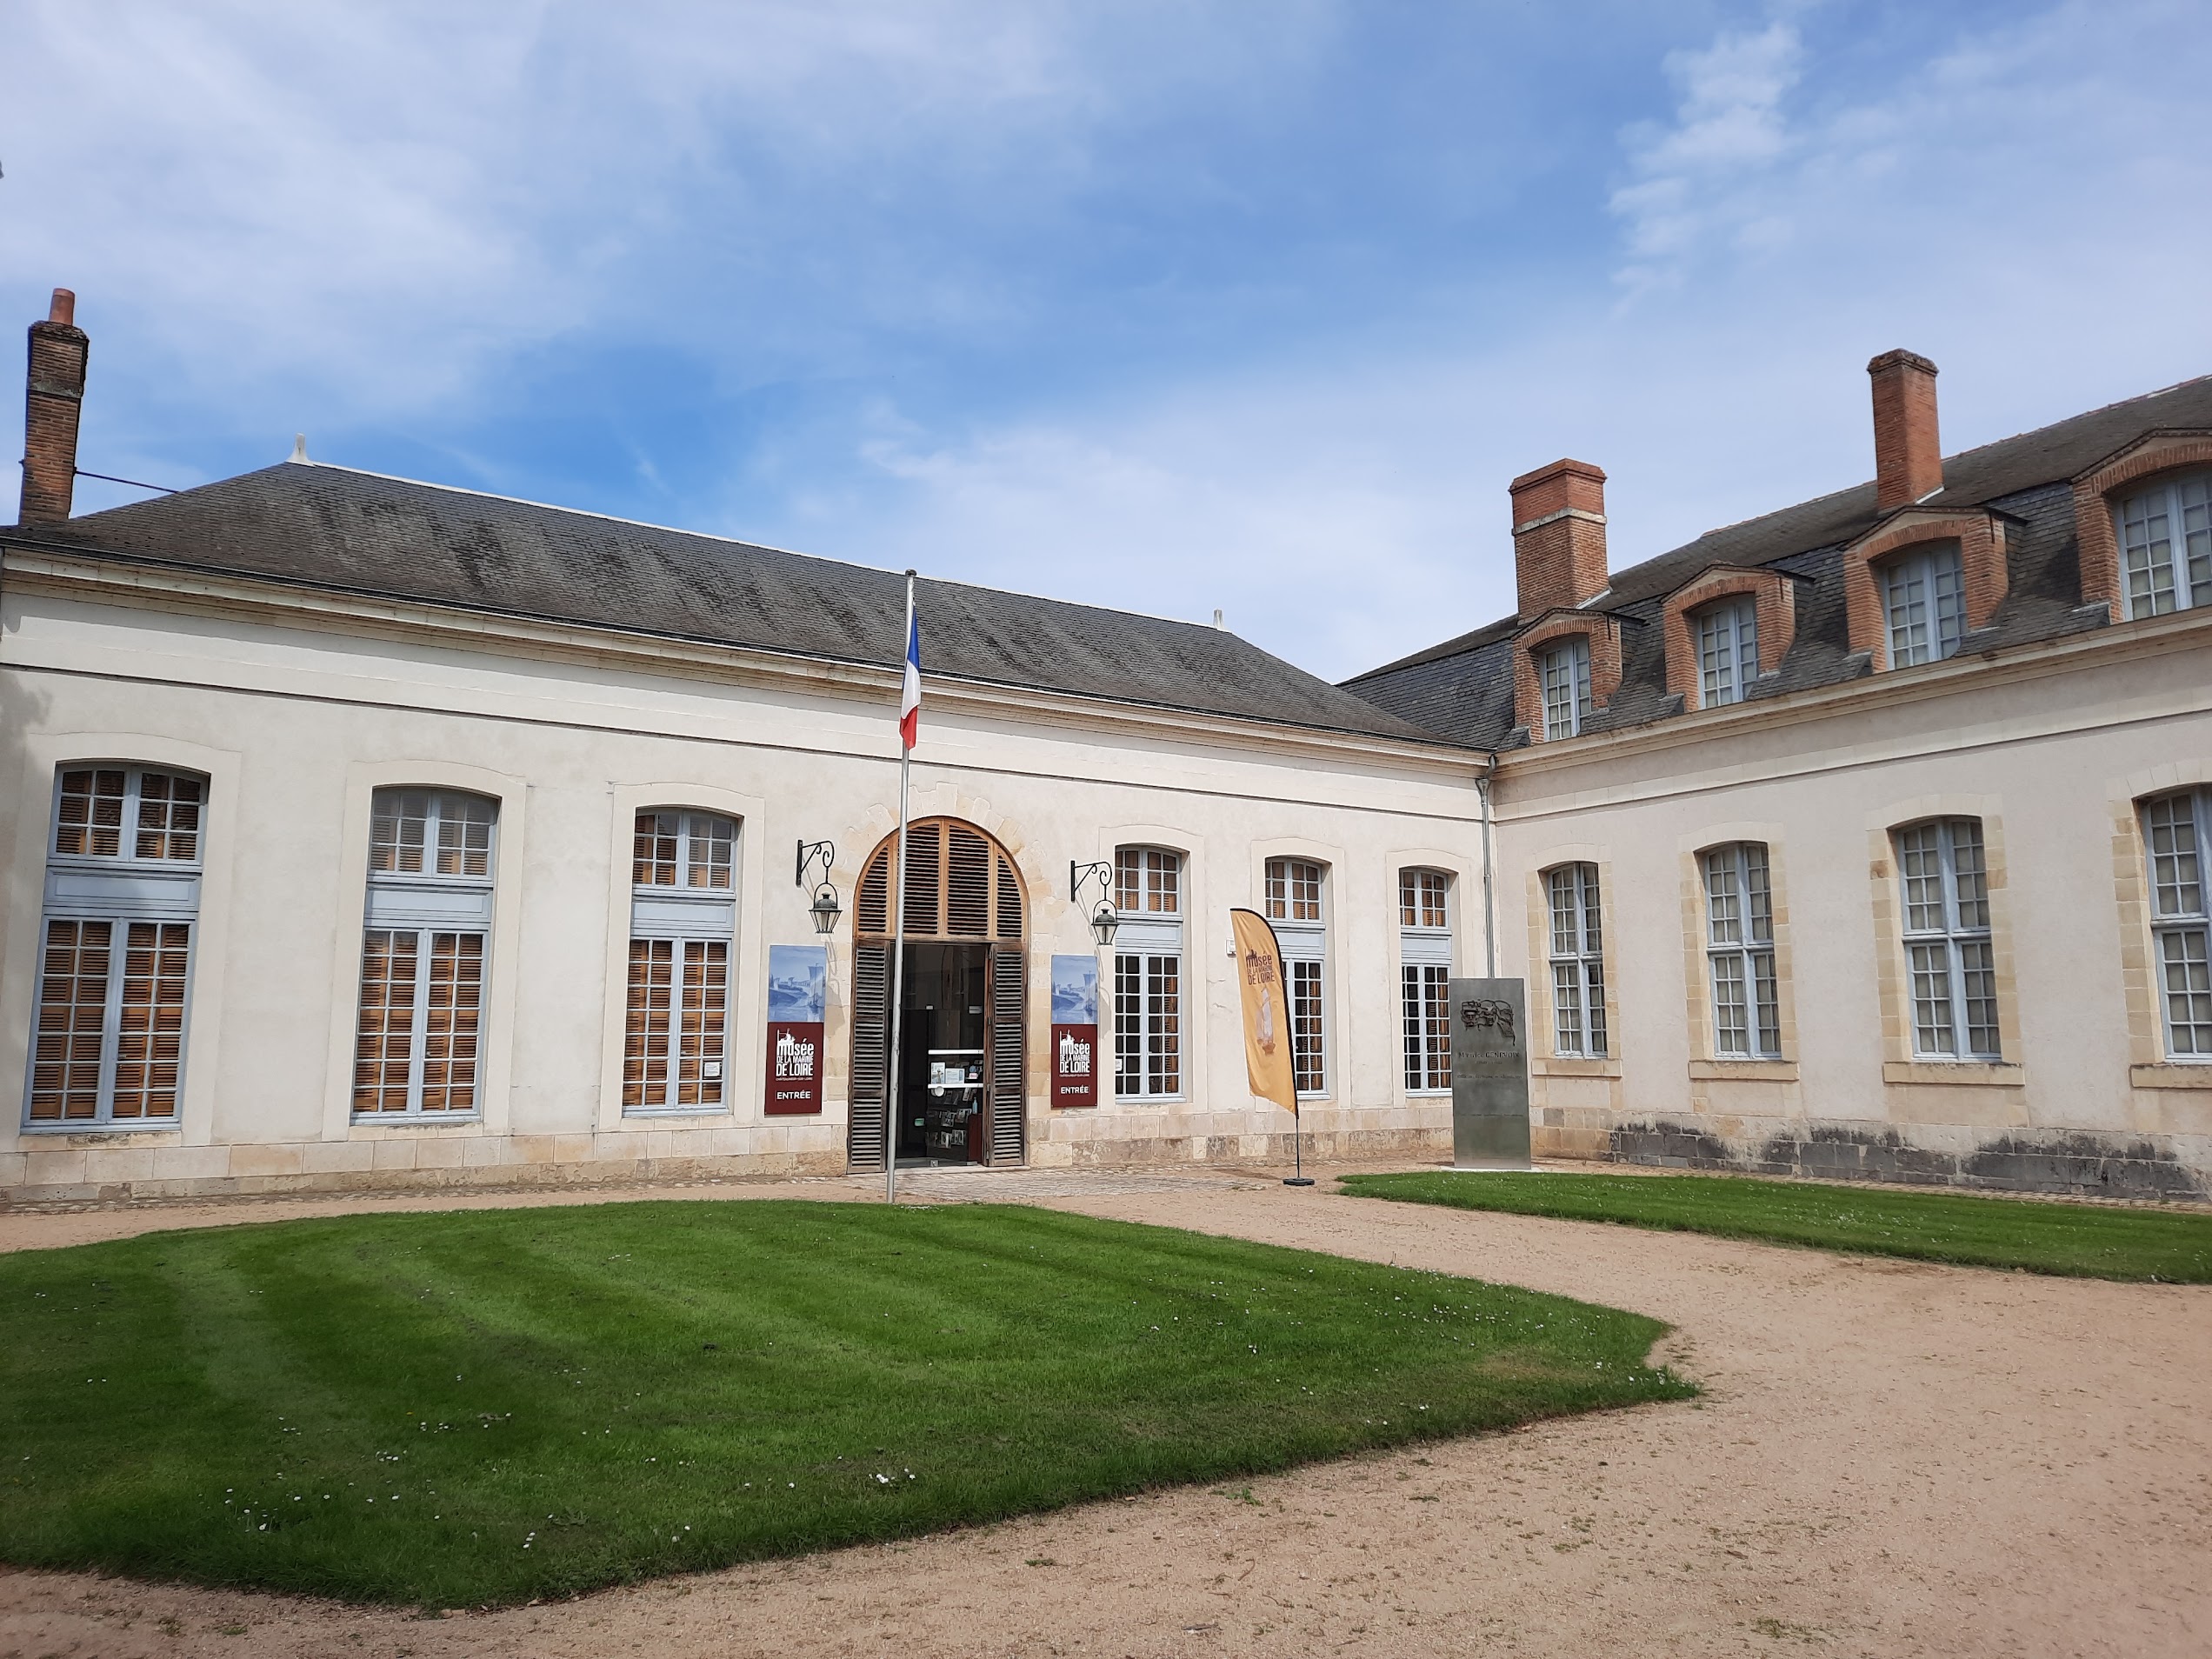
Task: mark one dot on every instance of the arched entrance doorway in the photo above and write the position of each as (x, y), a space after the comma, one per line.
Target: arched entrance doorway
(963, 991)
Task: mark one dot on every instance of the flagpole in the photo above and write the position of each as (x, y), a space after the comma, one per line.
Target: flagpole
(898, 945)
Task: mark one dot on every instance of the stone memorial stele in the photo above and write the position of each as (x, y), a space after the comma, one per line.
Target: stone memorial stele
(1490, 1061)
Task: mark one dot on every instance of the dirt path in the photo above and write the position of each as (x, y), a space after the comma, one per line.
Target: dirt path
(1891, 1459)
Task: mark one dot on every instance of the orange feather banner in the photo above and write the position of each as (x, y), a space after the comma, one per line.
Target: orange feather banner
(1267, 1011)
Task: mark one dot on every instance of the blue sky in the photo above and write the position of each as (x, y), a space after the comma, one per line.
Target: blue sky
(1170, 306)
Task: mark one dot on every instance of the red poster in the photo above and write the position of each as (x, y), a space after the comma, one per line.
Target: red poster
(1075, 1062)
(794, 1068)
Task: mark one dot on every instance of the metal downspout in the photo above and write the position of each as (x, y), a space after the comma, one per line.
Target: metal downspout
(1489, 899)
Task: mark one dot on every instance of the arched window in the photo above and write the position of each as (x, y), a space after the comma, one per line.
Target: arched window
(1424, 974)
(1924, 603)
(1148, 973)
(1295, 906)
(1563, 671)
(1578, 961)
(1740, 952)
(1947, 938)
(122, 905)
(1727, 649)
(2176, 832)
(683, 919)
(2166, 545)
(427, 934)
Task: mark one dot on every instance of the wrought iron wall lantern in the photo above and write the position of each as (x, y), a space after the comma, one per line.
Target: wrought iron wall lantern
(825, 910)
(1103, 919)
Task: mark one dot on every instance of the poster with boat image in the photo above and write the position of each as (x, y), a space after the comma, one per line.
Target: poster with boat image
(798, 994)
(1075, 1030)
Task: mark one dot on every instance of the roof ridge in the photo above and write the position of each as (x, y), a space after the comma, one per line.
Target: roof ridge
(728, 541)
(2079, 414)
(1452, 646)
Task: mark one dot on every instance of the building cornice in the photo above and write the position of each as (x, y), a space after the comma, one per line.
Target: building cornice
(101, 577)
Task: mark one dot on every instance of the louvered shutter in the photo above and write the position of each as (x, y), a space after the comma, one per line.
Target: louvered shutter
(968, 873)
(874, 905)
(870, 1055)
(1008, 1099)
(924, 865)
(1010, 900)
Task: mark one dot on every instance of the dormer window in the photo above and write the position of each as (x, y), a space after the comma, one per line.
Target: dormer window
(1565, 672)
(1728, 650)
(1924, 603)
(2166, 546)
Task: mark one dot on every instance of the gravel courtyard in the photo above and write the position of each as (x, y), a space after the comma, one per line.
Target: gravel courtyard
(1890, 1458)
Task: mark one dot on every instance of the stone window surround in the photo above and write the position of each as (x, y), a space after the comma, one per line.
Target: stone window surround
(42, 758)
(1775, 594)
(1604, 632)
(1542, 1029)
(1900, 1066)
(1460, 878)
(2095, 493)
(1336, 900)
(1189, 845)
(1706, 1065)
(2148, 1066)
(497, 1050)
(1181, 919)
(743, 1061)
(1980, 535)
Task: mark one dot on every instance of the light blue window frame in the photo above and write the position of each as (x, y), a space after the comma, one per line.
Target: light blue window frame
(1923, 604)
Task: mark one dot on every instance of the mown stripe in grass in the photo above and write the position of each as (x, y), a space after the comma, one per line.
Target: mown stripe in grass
(2083, 1241)
(487, 1406)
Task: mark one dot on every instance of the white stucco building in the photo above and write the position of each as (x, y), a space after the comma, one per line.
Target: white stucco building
(362, 831)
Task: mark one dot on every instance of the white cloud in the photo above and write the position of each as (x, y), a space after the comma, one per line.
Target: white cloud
(1728, 127)
(368, 215)
(379, 204)
(2014, 204)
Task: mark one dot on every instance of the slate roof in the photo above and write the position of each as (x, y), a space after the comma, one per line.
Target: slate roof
(334, 529)
(1462, 688)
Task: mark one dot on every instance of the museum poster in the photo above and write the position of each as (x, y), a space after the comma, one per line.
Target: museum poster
(798, 981)
(1075, 1030)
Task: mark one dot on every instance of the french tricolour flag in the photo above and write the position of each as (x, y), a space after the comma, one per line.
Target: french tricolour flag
(910, 694)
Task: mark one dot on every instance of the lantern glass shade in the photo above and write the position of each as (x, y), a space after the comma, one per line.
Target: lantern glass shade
(825, 911)
(1104, 922)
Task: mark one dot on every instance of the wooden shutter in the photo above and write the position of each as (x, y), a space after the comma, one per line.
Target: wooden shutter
(384, 1039)
(1009, 1098)
(1010, 900)
(870, 1055)
(874, 904)
(149, 1034)
(924, 864)
(968, 873)
(645, 1024)
(706, 1016)
(72, 1014)
(449, 1026)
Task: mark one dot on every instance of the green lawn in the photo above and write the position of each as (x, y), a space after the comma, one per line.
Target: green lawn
(2087, 1240)
(451, 1409)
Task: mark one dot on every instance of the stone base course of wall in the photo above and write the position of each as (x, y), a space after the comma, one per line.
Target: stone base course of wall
(2066, 1162)
(1364, 1145)
(72, 1177)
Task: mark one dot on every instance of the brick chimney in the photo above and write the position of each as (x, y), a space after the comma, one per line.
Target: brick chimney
(1908, 456)
(1559, 535)
(51, 400)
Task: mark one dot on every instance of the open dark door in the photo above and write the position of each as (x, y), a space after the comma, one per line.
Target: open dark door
(960, 891)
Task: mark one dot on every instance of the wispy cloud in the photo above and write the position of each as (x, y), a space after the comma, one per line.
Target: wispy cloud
(1136, 303)
(1728, 130)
